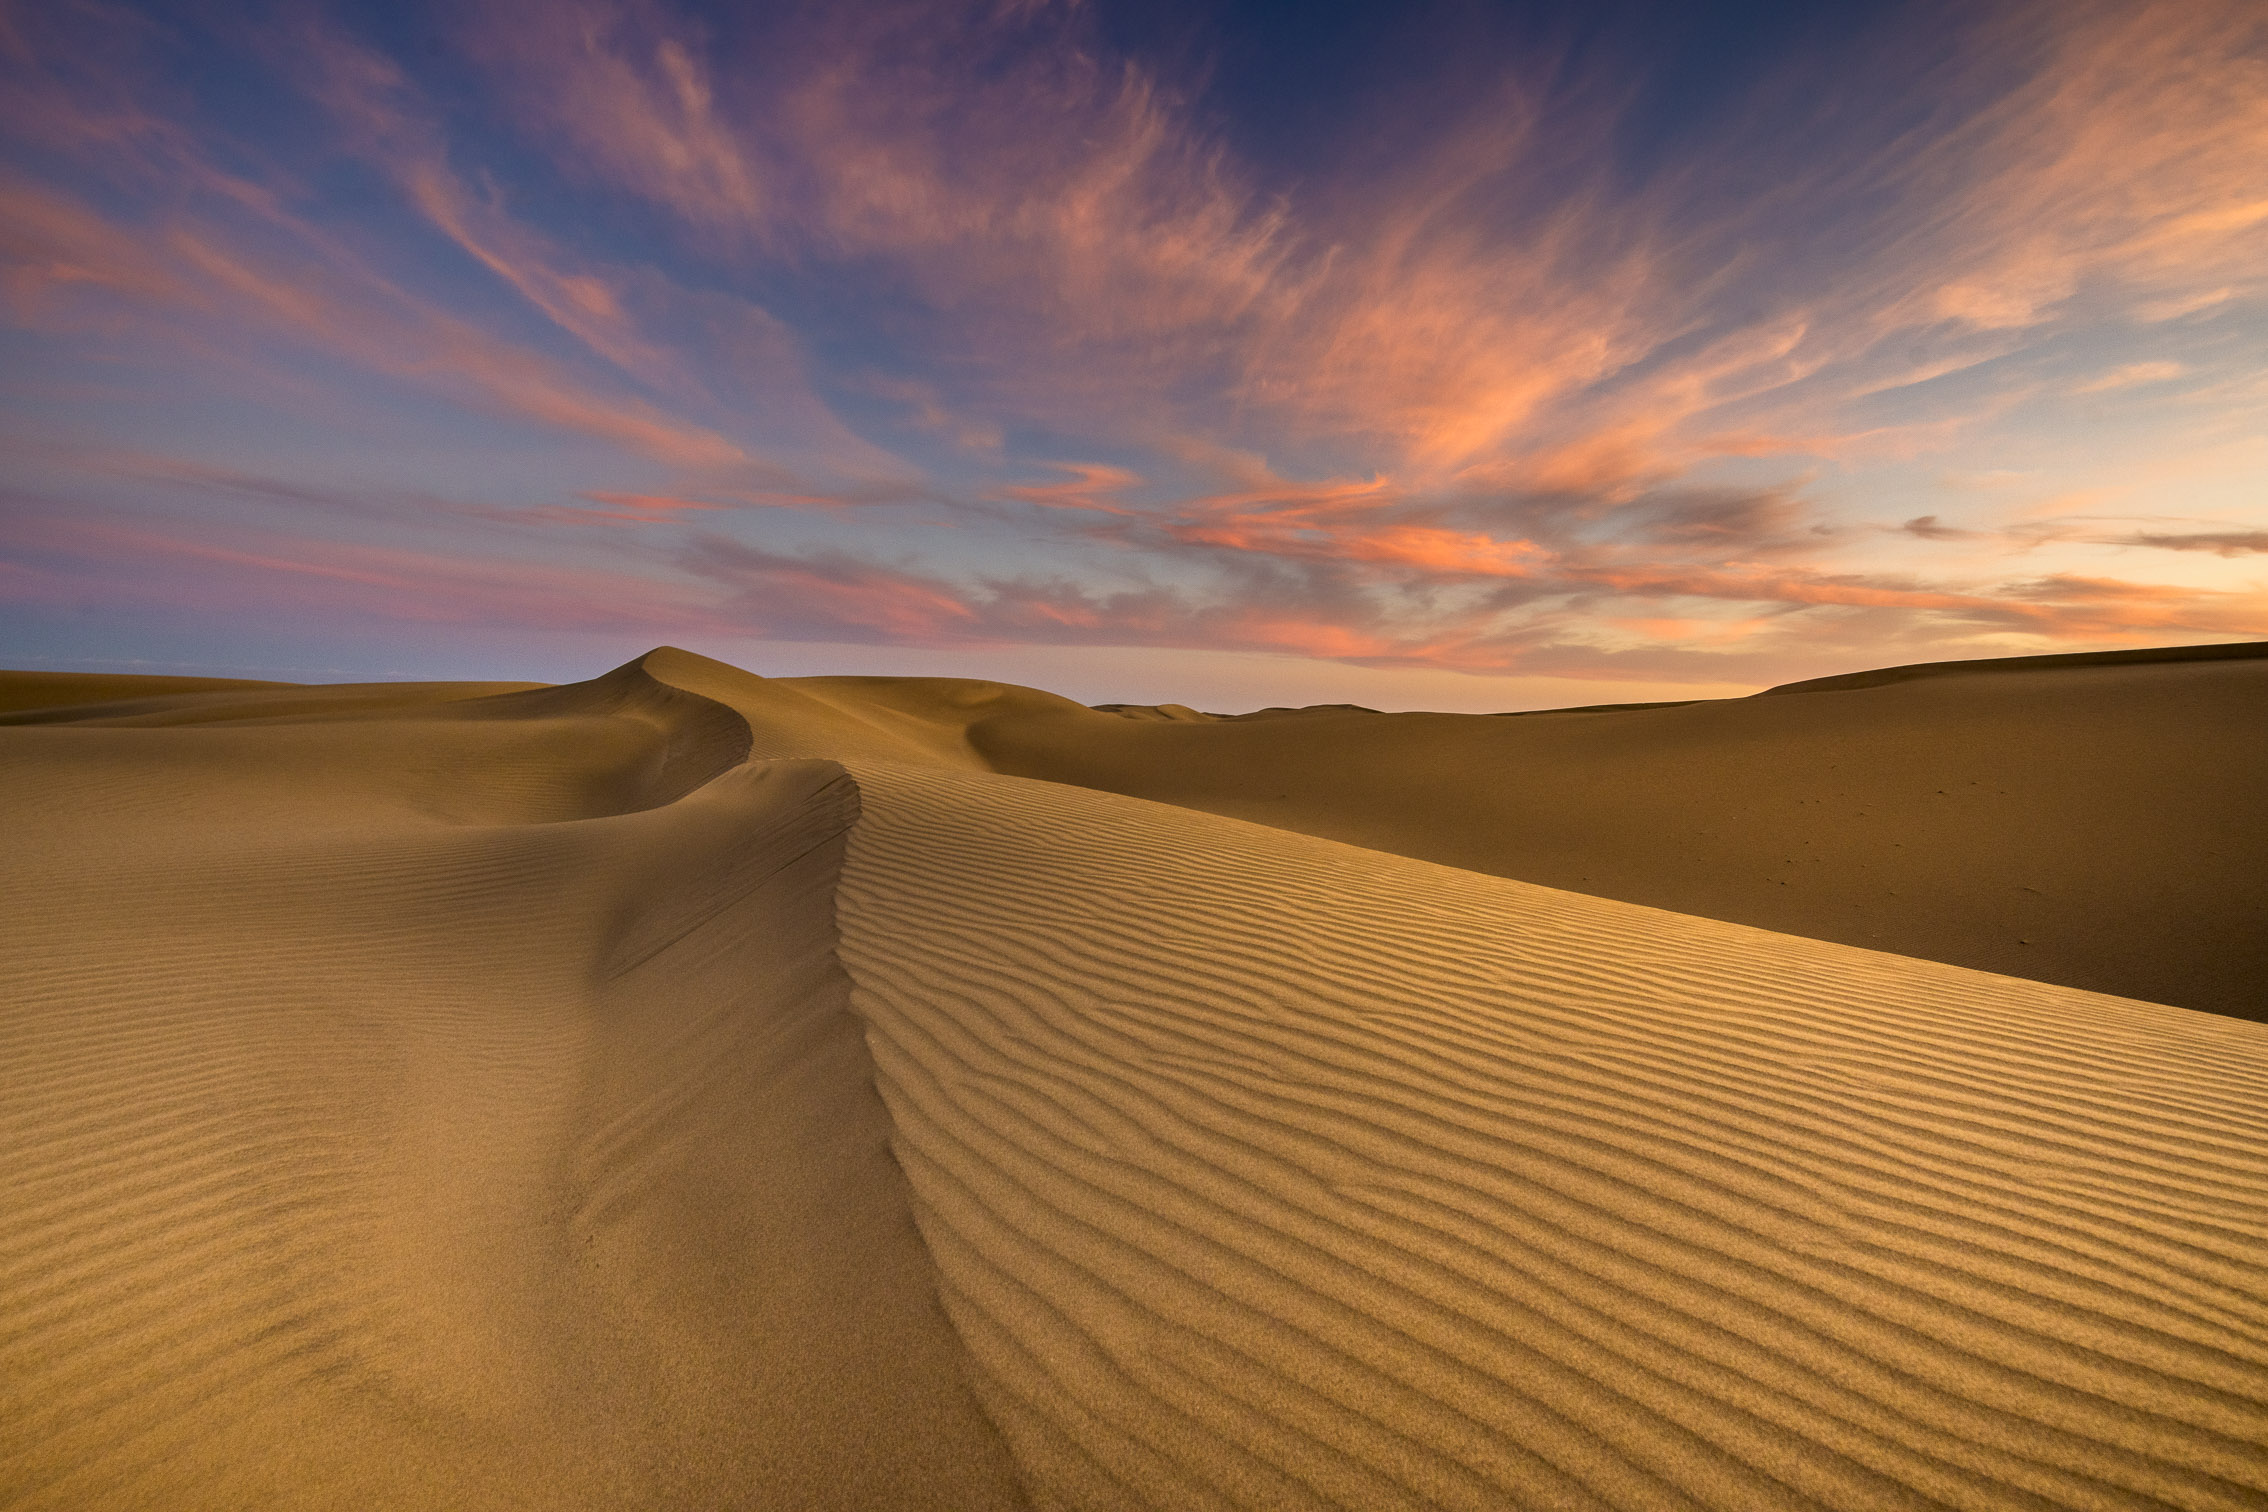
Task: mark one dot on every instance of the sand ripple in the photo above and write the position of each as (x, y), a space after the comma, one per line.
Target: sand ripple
(1266, 1172)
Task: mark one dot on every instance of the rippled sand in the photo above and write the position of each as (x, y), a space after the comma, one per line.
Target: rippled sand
(686, 1089)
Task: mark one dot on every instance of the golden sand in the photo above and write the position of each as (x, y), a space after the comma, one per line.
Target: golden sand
(687, 1089)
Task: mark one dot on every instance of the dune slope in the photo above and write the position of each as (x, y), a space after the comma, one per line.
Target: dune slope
(1267, 1172)
(449, 1105)
(2096, 822)
(686, 1089)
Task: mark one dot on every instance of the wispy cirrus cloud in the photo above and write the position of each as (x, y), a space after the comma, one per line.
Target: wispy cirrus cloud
(2131, 374)
(70, 266)
(1468, 311)
(845, 304)
(707, 350)
(991, 167)
(1093, 486)
(288, 574)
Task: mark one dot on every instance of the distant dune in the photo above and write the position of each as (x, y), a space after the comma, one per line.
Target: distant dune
(688, 1090)
(2095, 821)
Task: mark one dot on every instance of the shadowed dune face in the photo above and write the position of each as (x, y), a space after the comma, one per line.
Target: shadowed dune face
(688, 1090)
(2099, 826)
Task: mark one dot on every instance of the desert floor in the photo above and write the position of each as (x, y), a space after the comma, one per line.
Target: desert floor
(687, 1089)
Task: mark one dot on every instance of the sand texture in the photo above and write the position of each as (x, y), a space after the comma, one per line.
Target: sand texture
(453, 1109)
(2094, 823)
(690, 1089)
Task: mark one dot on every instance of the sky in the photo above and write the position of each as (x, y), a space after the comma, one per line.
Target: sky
(1411, 354)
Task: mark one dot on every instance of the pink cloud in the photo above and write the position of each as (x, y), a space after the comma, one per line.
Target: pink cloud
(244, 569)
(1498, 368)
(836, 596)
(976, 155)
(1424, 547)
(2131, 152)
(55, 251)
(1094, 248)
(227, 250)
(60, 254)
(645, 509)
(370, 322)
(1086, 485)
(634, 102)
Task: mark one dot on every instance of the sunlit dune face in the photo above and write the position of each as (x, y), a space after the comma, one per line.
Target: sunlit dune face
(973, 325)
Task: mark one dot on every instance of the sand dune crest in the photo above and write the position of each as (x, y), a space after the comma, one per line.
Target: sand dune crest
(2090, 821)
(458, 1108)
(690, 1089)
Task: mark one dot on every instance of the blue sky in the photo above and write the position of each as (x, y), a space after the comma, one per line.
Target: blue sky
(1455, 356)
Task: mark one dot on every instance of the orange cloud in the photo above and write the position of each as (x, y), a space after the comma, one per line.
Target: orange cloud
(2131, 152)
(1425, 547)
(2131, 374)
(1088, 485)
(1461, 318)
(1503, 361)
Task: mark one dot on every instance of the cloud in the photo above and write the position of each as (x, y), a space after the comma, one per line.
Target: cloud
(235, 569)
(997, 165)
(377, 326)
(56, 254)
(836, 596)
(389, 126)
(1084, 486)
(1929, 528)
(1724, 522)
(1472, 400)
(632, 102)
(1785, 617)
(1429, 549)
(1468, 313)
(2226, 543)
(2068, 605)
(1089, 251)
(398, 509)
(69, 266)
(929, 412)
(639, 509)
(213, 248)
(2127, 152)
(2130, 375)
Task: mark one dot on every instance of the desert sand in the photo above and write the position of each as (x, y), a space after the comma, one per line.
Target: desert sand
(690, 1089)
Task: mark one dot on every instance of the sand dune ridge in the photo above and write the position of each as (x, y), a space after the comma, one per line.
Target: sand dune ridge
(1261, 1175)
(689, 1089)
(450, 1104)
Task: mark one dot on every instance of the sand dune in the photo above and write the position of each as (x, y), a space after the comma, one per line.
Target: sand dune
(692, 1089)
(456, 1109)
(1266, 1172)
(2092, 821)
